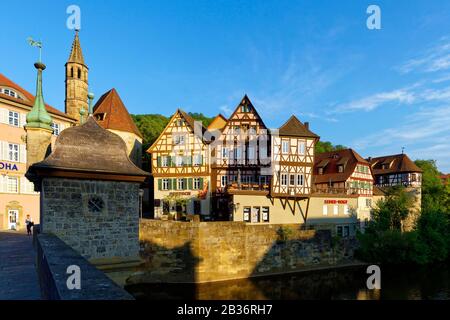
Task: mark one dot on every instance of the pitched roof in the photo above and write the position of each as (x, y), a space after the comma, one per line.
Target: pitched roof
(330, 161)
(6, 82)
(116, 116)
(247, 102)
(76, 54)
(293, 127)
(82, 149)
(218, 123)
(397, 163)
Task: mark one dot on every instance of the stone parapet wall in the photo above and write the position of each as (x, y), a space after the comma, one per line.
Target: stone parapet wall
(214, 251)
(53, 259)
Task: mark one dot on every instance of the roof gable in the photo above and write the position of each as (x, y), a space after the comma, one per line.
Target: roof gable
(294, 127)
(395, 163)
(329, 162)
(115, 115)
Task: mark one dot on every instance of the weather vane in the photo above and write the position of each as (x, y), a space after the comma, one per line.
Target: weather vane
(37, 44)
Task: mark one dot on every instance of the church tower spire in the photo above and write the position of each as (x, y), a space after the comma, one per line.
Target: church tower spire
(76, 81)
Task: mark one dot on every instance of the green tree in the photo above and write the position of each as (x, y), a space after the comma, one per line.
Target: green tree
(434, 194)
(326, 146)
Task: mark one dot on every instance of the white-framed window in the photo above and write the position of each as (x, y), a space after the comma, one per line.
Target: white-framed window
(346, 211)
(13, 152)
(300, 179)
(237, 153)
(10, 93)
(255, 214)
(197, 184)
(251, 153)
(340, 168)
(320, 170)
(180, 184)
(292, 180)
(325, 210)
(165, 161)
(284, 179)
(224, 152)
(179, 161)
(265, 214)
(179, 139)
(198, 159)
(12, 185)
(335, 209)
(13, 118)
(165, 184)
(247, 214)
(223, 181)
(56, 128)
(285, 146)
(301, 147)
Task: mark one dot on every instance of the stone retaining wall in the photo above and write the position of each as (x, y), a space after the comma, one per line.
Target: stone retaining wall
(214, 251)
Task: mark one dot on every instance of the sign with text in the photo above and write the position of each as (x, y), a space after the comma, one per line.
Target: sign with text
(335, 201)
(8, 166)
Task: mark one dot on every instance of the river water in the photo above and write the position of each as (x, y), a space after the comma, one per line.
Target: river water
(432, 282)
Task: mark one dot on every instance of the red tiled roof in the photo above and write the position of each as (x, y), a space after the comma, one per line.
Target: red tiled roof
(6, 82)
(293, 127)
(397, 162)
(116, 116)
(330, 161)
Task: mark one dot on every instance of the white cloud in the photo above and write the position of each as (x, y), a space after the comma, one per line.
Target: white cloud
(436, 58)
(400, 96)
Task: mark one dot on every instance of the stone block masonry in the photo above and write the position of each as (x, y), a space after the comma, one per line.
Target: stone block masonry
(110, 230)
(215, 251)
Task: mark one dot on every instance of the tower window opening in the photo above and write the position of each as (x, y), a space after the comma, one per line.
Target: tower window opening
(79, 73)
(71, 72)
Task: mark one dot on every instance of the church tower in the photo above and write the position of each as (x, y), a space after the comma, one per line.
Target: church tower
(76, 82)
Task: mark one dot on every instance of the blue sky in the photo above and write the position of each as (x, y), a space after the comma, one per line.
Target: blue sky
(373, 90)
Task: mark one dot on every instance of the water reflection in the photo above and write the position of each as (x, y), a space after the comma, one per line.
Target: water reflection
(343, 284)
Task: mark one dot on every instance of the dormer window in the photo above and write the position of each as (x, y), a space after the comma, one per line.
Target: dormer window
(100, 116)
(340, 168)
(10, 93)
(320, 170)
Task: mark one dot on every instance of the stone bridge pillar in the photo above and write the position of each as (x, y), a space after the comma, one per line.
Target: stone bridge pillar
(90, 194)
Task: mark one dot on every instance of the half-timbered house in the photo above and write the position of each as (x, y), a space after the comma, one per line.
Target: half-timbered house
(398, 170)
(342, 191)
(180, 168)
(240, 159)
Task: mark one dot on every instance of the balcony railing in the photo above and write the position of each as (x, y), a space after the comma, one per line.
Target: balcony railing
(249, 186)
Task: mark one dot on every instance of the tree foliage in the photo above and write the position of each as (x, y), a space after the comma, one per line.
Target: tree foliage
(383, 240)
(326, 146)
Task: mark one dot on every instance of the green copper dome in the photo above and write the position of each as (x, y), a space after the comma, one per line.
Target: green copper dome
(38, 117)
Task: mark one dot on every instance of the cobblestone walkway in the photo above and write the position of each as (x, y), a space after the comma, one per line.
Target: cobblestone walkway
(18, 278)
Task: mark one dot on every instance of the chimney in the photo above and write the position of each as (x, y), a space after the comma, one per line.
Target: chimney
(307, 125)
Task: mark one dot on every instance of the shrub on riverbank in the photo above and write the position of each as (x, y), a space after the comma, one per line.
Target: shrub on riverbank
(385, 242)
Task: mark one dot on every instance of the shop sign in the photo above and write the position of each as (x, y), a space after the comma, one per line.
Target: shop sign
(335, 201)
(8, 166)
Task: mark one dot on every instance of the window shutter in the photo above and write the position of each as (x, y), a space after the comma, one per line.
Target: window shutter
(170, 184)
(185, 184)
(158, 161)
(4, 115)
(23, 119)
(23, 153)
(201, 159)
(190, 184)
(159, 184)
(172, 161)
(5, 149)
(201, 183)
(174, 184)
(2, 183)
